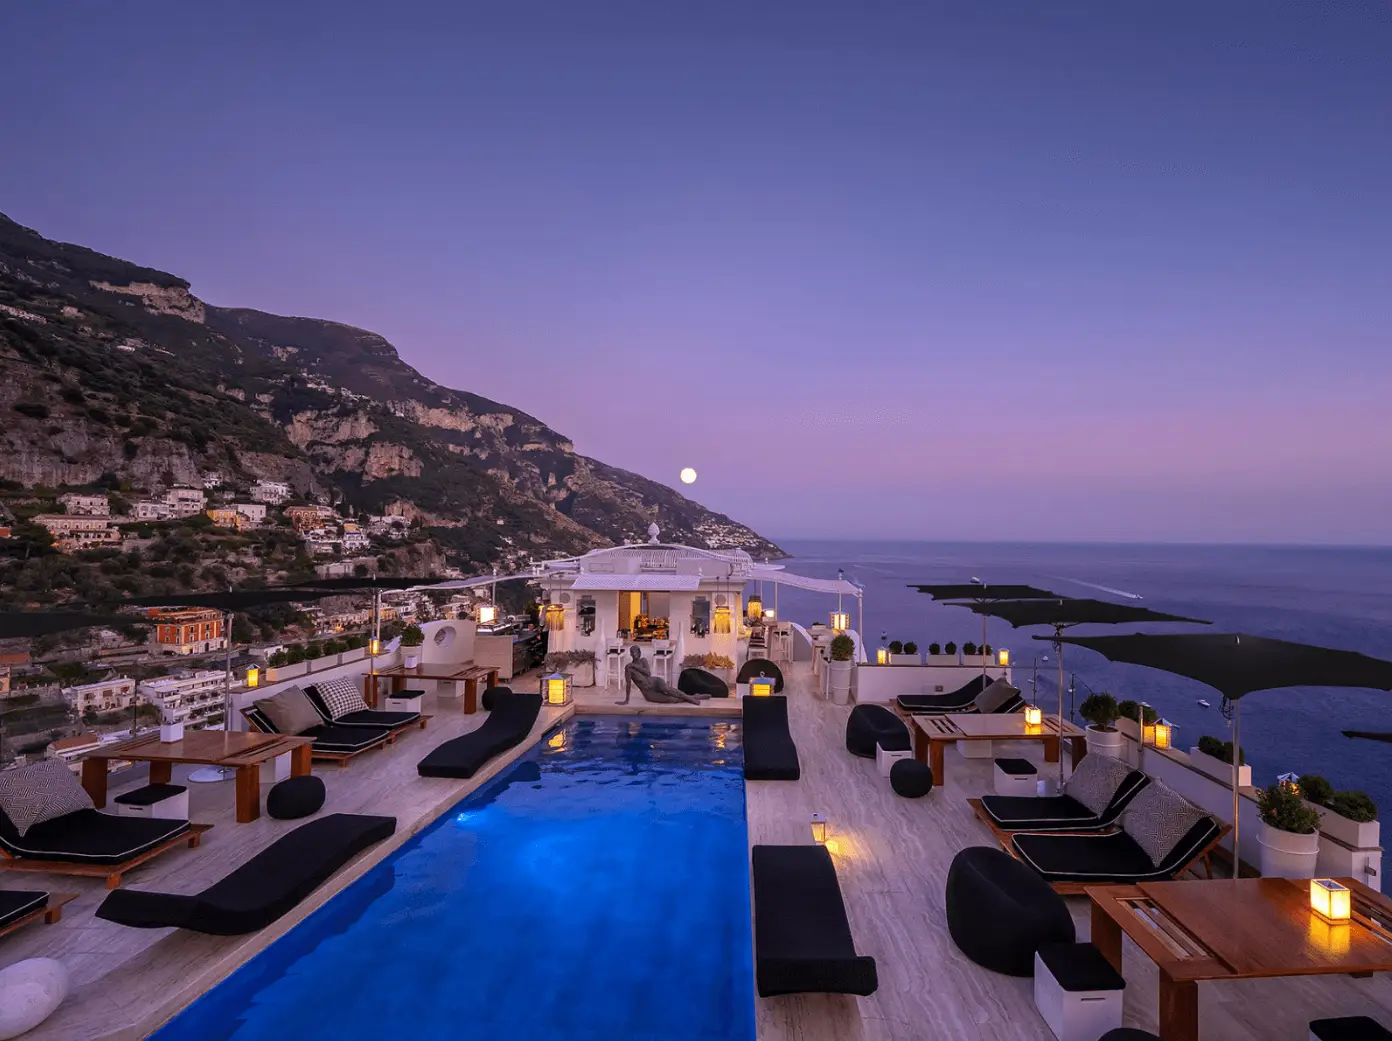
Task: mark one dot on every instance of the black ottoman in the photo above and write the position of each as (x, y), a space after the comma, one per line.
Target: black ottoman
(699, 681)
(297, 797)
(910, 778)
(999, 910)
(870, 725)
(491, 695)
(1349, 1028)
(1128, 1034)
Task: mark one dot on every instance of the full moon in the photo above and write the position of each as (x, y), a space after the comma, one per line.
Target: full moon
(688, 476)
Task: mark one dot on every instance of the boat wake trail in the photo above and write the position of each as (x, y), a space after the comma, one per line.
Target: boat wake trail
(1093, 585)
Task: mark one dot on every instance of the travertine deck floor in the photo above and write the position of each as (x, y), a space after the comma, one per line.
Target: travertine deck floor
(127, 981)
(893, 856)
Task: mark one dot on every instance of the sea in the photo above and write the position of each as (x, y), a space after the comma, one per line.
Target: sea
(1330, 596)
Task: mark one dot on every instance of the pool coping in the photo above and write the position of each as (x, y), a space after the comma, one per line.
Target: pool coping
(211, 972)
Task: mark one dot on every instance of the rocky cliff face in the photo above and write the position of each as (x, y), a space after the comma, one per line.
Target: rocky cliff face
(115, 369)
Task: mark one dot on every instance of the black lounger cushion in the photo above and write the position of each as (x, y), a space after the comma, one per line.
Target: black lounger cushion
(334, 738)
(261, 890)
(88, 837)
(956, 700)
(1349, 1028)
(16, 903)
(761, 667)
(1109, 858)
(491, 696)
(1062, 812)
(366, 717)
(802, 938)
(699, 681)
(769, 751)
(507, 725)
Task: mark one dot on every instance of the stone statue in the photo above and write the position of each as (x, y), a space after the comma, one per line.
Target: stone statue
(638, 673)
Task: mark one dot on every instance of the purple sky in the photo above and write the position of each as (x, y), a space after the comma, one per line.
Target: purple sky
(1111, 271)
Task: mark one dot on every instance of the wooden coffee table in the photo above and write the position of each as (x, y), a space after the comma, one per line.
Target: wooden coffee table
(932, 734)
(448, 672)
(237, 750)
(1236, 929)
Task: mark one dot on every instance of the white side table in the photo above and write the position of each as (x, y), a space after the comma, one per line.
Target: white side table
(885, 759)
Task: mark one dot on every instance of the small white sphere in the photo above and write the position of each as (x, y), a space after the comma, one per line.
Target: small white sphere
(30, 992)
(688, 476)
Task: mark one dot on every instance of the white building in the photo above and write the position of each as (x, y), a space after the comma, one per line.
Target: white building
(388, 527)
(212, 479)
(354, 539)
(273, 492)
(193, 699)
(152, 510)
(85, 505)
(254, 512)
(185, 502)
(108, 695)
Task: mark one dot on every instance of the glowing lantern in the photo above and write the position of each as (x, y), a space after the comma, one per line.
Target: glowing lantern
(761, 687)
(253, 677)
(882, 656)
(1163, 731)
(1330, 900)
(487, 614)
(1034, 716)
(819, 828)
(1002, 657)
(721, 622)
(374, 646)
(840, 621)
(556, 688)
(754, 608)
(555, 617)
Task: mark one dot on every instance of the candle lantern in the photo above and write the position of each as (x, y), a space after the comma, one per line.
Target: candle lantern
(1330, 900)
(761, 687)
(840, 621)
(374, 647)
(555, 689)
(1034, 715)
(1163, 733)
(1003, 657)
(819, 828)
(882, 656)
(487, 614)
(253, 676)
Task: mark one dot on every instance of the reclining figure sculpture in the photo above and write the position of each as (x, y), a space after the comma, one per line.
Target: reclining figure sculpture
(638, 673)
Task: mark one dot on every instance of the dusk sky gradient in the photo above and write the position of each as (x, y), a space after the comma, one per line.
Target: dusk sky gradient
(985, 270)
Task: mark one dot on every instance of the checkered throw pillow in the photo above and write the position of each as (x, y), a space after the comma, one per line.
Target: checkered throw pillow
(340, 697)
(1096, 780)
(42, 792)
(1158, 818)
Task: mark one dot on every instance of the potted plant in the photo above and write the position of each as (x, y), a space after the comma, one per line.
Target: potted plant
(1350, 817)
(896, 647)
(842, 651)
(578, 664)
(934, 649)
(411, 640)
(950, 649)
(968, 649)
(1289, 833)
(903, 653)
(1103, 738)
(1213, 756)
(1129, 714)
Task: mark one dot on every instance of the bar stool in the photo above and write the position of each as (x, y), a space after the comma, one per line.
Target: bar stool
(613, 663)
(662, 659)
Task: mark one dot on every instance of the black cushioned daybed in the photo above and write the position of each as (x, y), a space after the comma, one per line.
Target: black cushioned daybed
(368, 717)
(769, 751)
(507, 725)
(1111, 787)
(89, 842)
(261, 890)
(958, 700)
(331, 741)
(802, 938)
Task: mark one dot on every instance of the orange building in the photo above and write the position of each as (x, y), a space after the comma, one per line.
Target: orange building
(187, 630)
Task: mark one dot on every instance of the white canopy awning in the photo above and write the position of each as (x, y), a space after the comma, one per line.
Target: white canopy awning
(638, 582)
(816, 585)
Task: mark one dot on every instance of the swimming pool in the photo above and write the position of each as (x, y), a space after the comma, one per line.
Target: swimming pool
(597, 890)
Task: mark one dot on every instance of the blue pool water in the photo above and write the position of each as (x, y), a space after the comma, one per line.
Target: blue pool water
(597, 889)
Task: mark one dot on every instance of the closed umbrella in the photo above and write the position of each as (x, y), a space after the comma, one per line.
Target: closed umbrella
(980, 593)
(1064, 612)
(1235, 665)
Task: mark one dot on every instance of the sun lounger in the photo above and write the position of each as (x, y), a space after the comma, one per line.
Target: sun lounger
(1105, 785)
(507, 725)
(331, 741)
(958, 700)
(19, 907)
(802, 938)
(89, 842)
(769, 751)
(999, 696)
(395, 722)
(1142, 850)
(261, 890)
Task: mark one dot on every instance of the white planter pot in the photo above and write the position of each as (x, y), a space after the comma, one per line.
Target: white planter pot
(1358, 834)
(1286, 855)
(839, 681)
(941, 659)
(1105, 742)
(904, 659)
(583, 675)
(410, 657)
(1219, 770)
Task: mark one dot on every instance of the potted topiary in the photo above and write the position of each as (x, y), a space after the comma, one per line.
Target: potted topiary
(1103, 738)
(411, 640)
(1350, 817)
(950, 649)
(581, 665)
(896, 647)
(968, 650)
(1213, 756)
(1129, 714)
(902, 654)
(839, 669)
(1289, 833)
(911, 653)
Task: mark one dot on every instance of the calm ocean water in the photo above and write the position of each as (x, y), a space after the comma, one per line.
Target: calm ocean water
(1334, 597)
